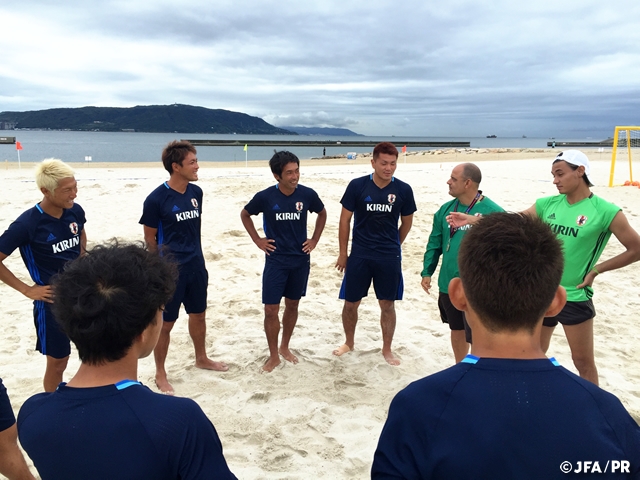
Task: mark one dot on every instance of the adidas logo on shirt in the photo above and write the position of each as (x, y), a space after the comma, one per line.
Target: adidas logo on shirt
(552, 216)
(175, 209)
(368, 199)
(276, 207)
(51, 237)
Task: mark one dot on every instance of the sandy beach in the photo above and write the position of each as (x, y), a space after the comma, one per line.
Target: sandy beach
(322, 417)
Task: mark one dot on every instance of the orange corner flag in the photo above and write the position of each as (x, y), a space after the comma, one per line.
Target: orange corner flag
(18, 146)
(404, 149)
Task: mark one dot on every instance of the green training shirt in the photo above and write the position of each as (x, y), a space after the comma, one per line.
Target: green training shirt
(584, 231)
(439, 238)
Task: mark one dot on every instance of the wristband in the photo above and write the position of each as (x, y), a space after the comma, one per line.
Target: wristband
(594, 269)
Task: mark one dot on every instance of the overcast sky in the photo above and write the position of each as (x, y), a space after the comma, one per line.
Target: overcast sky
(457, 68)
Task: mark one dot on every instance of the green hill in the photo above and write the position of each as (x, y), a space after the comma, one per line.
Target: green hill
(152, 118)
(329, 131)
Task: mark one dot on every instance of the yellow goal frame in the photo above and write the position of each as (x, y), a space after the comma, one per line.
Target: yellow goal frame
(614, 151)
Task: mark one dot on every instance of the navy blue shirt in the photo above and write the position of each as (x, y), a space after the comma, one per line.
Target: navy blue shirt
(503, 418)
(177, 217)
(376, 214)
(119, 431)
(46, 243)
(7, 418)
(285, 218)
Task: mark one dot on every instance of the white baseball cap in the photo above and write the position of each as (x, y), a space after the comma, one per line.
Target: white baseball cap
(577, 159)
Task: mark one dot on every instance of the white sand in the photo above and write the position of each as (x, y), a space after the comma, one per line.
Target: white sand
(322, 417)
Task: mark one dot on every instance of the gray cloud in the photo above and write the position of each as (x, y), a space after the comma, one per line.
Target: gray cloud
(378, 67)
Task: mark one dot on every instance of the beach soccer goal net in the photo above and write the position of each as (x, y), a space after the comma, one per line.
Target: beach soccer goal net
(626, 146)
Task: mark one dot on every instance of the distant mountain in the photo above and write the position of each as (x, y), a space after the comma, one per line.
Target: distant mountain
(153, 118)
(341, 132)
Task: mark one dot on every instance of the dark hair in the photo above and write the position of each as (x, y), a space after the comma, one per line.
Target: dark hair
(387, 148)
(108, 297)
(574, 168)
(510, 267)
(175, 152)
(280, 160)
(472, 172)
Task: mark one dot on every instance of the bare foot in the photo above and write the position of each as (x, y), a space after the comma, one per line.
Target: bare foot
(341, 350)
(391, 358)
(271, 364)
(288, 356)
(164, 386)
(209, 364)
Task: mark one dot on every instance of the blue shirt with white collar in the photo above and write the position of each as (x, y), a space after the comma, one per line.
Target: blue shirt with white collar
(504, 418)
(285, 218)
(177, 216)
(376, 213)
(119, 431)
(46, 243)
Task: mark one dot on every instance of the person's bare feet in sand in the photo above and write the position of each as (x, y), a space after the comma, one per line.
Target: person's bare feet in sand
(342, 349)
(391, 358)
(209, 364)
(271, 364)
(163, 385)
(288, 356)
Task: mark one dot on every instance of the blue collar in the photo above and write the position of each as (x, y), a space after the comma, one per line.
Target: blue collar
(122, 384)
(473, 360)
(393, 179)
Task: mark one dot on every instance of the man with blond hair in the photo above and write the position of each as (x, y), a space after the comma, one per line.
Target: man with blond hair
(48, 235)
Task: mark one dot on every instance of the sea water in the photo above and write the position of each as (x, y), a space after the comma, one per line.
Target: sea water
(147, 147)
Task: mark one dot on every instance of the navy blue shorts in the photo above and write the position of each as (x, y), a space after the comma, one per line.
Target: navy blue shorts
(573, 313)
(7, 418)
(52, 340)
(289, 281)
(451, 315)
(191, 291)
(385, 273)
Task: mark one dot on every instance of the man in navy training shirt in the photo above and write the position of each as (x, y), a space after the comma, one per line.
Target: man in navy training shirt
(48, 235)
(506, 410)
(377, 201)
(172, 224)
(104, 424)
(12, 464)
(284, 210)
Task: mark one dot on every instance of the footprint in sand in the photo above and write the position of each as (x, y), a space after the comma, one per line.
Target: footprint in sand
(259, 397)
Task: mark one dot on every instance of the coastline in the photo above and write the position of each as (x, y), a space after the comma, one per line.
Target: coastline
(420, 156)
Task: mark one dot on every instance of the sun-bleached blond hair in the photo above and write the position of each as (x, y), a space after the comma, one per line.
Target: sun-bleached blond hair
(50, 172)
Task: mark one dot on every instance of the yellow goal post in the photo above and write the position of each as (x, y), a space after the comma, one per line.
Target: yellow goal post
(625, 138)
